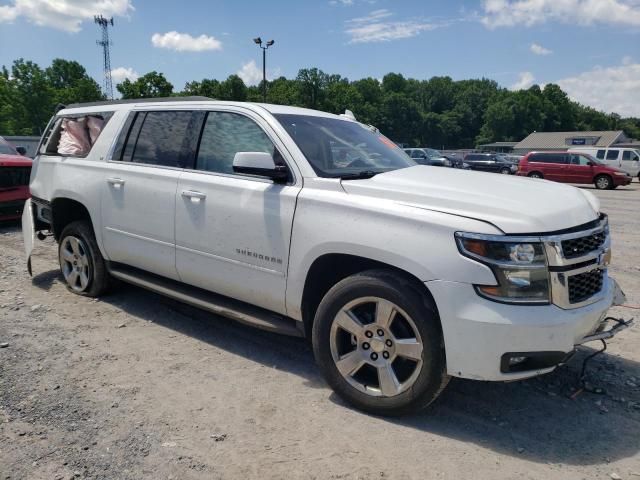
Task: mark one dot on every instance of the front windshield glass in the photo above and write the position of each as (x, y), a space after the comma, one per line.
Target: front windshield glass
(6, 149)
(337, 148)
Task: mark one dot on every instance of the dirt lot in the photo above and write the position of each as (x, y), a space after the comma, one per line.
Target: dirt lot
(137, 386)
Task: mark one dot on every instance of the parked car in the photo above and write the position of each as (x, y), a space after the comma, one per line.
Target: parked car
(626, 159)
(14, 180)
(489, 162)
(401, 275)
(428, 156)
(571, 167)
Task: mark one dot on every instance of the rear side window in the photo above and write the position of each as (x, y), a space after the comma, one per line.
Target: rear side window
(612, 154)
(600, 154)
(548, 158)
(627, 155)
(155, 138)
(471, 156)
(226, 134)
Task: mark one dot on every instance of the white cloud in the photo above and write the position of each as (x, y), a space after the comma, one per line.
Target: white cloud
(525, 80)
(65, 15)
(539, 49)
(251, 74)
(340, 2)
(183, 42)
(376, 27)
(510, 13)
(612, 89)
(119, 74)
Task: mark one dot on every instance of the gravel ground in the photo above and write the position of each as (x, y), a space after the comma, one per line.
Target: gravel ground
(134, 385)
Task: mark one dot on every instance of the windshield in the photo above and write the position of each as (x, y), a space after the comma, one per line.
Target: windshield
(433, 153)
(6, 149)
(338, 148)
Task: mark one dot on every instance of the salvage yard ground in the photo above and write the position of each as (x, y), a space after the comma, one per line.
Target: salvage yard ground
(135, 385)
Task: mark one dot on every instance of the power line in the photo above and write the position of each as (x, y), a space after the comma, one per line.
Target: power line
(105, 43)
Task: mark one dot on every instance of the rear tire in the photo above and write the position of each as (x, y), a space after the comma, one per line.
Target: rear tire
(81, 263)
(378, 342)
(603, 182)
(535, 175)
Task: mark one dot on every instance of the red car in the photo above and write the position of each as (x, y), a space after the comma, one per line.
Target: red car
(15, 170)
(572, 168)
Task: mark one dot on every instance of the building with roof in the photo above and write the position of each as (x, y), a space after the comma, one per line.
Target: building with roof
(498, 147)
(540, 141)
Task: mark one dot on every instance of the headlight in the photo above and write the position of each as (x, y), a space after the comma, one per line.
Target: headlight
(447, 162)
(520, 267)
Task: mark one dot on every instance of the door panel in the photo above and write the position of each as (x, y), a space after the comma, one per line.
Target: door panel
(631, 162)
(233, 236)
(233, 231)
(138, 215)
(579, 170)
(139, 190)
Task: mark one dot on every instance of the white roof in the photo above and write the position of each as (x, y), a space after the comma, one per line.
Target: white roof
(195, 104)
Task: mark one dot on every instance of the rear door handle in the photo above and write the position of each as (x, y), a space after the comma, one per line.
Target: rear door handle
(194, 196)
(115, 182)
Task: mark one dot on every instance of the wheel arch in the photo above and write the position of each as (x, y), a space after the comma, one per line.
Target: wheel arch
(65, 210)
(330, 268)
(538, 172)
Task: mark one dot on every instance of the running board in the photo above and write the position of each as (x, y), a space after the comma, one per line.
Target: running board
(212, 302)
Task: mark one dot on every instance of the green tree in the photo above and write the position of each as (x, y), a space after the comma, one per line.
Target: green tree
(152, 84)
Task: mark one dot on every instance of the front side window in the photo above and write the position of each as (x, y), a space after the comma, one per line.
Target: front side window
(580, 160)
(612, 154)
(160, 139)
(361, 150)
(628, 155)
(226, 134)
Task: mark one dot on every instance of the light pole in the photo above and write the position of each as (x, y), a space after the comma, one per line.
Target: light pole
(258, 41)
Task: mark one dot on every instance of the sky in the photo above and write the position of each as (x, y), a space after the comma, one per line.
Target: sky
(591, 48)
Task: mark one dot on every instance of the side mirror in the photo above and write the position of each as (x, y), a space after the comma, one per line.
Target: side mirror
(261, 164)
(591, 163)
(21, 150)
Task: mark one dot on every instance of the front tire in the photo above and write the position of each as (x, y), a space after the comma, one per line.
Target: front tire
(81, 263)
(604, 182)
(378, 342)
(535, 175)
(505, 171)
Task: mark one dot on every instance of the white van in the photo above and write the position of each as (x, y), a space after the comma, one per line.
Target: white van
(627, 159)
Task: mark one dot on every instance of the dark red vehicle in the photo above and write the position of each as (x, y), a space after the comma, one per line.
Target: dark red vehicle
(571, 167)
(15, 170)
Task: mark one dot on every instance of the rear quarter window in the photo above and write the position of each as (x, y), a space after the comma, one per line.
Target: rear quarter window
(74, 135)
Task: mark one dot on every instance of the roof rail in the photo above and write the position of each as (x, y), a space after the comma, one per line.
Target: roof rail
(140, 100)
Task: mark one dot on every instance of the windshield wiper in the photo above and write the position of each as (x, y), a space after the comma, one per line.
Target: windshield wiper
(359, 175)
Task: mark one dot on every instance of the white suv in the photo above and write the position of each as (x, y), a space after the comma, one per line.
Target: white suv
(312, 224)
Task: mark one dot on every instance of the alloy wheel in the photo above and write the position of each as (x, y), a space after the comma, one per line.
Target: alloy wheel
(74, 263)
(376, 347)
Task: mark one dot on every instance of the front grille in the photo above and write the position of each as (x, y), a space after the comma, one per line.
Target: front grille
(11, 209)
(577, 247)
(585, 285)
(14, 176)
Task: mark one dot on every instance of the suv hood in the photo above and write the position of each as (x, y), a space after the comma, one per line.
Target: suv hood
(14, 161)
(513, 204)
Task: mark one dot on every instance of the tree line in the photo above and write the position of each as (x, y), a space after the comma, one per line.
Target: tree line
(437, 112)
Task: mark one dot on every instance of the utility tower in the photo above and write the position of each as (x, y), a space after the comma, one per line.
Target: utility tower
(105, 43)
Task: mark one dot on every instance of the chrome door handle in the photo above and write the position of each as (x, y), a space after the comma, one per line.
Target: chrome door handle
(115, 182)
(194, 196)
